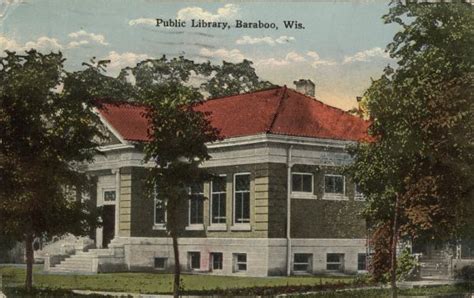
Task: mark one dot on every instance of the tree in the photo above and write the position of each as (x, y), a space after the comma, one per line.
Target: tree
(147, 76)
(179, 135)
(46, 134)
(417, 171)
(234, 78)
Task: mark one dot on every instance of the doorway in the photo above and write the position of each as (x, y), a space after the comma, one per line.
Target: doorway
(108, 221)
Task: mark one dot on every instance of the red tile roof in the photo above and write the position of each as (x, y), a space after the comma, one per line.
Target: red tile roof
(274, 111)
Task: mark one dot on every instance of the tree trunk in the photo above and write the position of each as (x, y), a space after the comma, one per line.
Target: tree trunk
(177, 266)
(29, 262)
(393, 271)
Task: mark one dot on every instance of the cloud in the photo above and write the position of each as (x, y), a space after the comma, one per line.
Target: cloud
(366, 55)
(225, 12)
(291, 57)
(84, 35)
(42, 43)
(121, 60)
(142, 21)
(226, 55)
(266, 39)
(317, 61)
(75, 44)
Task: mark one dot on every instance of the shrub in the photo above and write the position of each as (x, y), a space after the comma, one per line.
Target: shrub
(466, 273)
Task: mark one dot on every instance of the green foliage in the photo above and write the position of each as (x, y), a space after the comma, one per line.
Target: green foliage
(406, 265)
(178, 136)
(466, 273)
(20, 292)
(149, 77)
(46, 133)
(422, 126)
(234, 78)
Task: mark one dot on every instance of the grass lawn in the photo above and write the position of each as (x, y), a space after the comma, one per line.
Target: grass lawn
(451, 291)
(153, 283)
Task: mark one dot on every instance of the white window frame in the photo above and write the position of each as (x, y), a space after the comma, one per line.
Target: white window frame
(309, 263)
(195, 226)
(303, 194)
(245, 225)
(236, 263)
(162, 225)
(190, 260)
(211, 259)
(333, 195)
(217, 226)
(358, 196)
(340, 263)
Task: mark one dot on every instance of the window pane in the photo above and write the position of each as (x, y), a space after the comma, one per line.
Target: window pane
(216, 261)
(222, 216)
(218, 184)
(246, 207)
(242, 267)
(334, 184)
(196, 210)
(242, 258)
(333, 267)
(160, 263)
(328, 184)
(109, 195)
(195, 260)
(301, 258)
(333, 258)
(159, 212)
(218, 200)
(242, 182)
(307, 183)
(301, 267)
(361, 262)
(296, 182)
(339, 184)
(218, 208)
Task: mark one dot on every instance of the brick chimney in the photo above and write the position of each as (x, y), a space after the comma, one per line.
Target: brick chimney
(306, 87)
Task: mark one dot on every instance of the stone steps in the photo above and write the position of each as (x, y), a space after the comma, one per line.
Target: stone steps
(81, 262)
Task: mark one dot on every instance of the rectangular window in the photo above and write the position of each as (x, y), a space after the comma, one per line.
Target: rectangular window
(334, 184)
(335, 262)
(216, 261)
(218, 200)
(194, 260)
(109, 195)
(160, 263)
(160, 211)
(302, 182)
(240, 262)
(196, 204)
(302, 262)
(361, 262)
(242, 198)
(358, 195)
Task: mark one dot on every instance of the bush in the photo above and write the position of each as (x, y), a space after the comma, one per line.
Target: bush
(466, 273)
(21, 292)
(406, 265)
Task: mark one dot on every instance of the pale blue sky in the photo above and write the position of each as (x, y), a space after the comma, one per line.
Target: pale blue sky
(340, 49)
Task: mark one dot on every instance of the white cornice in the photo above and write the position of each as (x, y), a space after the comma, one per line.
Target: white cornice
(279, 139)
(114, 147)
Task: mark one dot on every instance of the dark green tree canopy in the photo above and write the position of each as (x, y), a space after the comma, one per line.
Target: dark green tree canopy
(46, 133)
(148, 77)
(423, 126)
